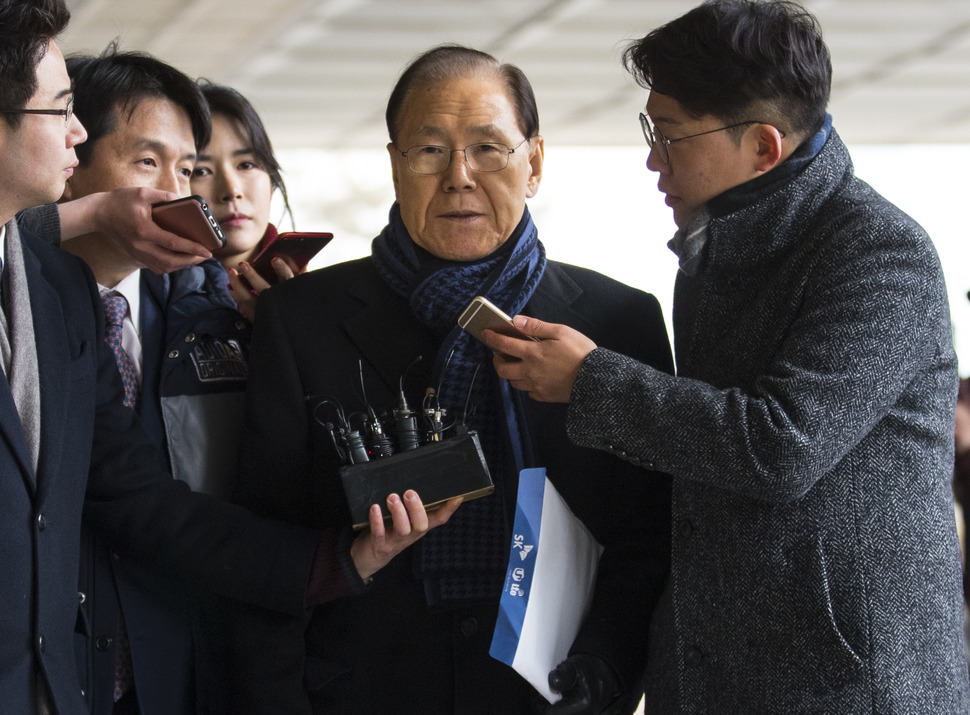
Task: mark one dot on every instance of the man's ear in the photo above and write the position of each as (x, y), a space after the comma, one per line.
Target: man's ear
(394, 154)
(536, 156)
(771, 150)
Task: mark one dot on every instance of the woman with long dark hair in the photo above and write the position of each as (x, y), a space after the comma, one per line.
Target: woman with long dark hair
(237, 174)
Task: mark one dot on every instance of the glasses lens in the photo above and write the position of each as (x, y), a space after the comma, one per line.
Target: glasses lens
(647, 129)
(70, 109)
(427, 159)
(484, 157)
(655, 138)
(664, 144)
(487, 157)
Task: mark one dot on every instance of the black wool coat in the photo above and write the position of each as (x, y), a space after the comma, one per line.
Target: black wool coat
(384, 650)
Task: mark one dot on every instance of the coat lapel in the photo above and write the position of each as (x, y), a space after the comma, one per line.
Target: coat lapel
(10, 424)
(13, 434)
(50, 334)
(554, 297)
(380, 332)
(380, 329)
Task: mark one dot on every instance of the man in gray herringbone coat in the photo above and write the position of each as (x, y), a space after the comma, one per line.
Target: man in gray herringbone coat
(809, 430)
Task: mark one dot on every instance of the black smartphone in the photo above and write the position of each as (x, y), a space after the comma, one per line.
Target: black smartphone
(295, 248)
(190, 217)
(482, 313)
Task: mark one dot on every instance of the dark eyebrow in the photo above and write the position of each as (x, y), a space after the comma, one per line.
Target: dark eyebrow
(238, 152)
(151, 144)
(159, 147)
(663, 120)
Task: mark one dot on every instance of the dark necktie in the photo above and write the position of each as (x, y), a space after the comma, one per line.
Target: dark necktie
(115, 307)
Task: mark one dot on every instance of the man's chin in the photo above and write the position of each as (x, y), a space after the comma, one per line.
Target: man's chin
(680, 218)
(683, 215)
(57, 193)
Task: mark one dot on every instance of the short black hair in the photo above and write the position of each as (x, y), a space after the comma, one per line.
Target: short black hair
(449, 61)
(727, 58)
(26, 28)
(116, 82)
(227, 101)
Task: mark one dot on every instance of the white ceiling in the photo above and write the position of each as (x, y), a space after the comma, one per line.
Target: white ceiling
(319, 71)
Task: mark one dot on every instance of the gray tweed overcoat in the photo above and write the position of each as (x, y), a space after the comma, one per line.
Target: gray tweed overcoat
(809, 433)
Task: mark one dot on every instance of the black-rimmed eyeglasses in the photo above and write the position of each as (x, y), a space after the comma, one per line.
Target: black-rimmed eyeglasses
(655, 137)
(67, 112)
(484, 157)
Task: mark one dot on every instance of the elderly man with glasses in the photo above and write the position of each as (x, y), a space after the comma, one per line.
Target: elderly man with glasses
(465, 156)
(809, 431)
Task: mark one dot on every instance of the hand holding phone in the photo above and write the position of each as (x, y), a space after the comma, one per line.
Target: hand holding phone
(296, 249)
(482, 314)
(189, 217)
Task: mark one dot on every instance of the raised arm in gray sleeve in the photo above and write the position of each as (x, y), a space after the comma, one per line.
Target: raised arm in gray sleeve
(42, 221)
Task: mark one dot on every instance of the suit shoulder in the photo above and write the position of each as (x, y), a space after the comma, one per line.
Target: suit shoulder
(53, 259)
(328, 278)
(598, 290)
(335, 289)
(612, 314)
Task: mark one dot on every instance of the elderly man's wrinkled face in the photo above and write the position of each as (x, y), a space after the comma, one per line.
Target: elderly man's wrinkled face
(461, 214)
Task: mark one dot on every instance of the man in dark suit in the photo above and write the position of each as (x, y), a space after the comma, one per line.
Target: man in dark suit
(66, 438)
(152, 646)
(466, 154)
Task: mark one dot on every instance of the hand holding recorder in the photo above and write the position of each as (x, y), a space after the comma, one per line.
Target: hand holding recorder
(373, 549)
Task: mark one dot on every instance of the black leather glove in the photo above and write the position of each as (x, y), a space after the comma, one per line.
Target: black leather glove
(587, 683)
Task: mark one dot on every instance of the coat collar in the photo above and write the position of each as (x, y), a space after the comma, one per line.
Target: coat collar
(52, 350)
(384, 329)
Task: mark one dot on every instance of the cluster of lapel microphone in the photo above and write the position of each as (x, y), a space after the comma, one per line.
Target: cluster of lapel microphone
(364, 436)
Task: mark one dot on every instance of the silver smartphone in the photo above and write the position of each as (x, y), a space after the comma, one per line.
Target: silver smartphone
(481, 314)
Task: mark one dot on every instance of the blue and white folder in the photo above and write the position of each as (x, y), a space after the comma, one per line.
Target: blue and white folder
(548, 586)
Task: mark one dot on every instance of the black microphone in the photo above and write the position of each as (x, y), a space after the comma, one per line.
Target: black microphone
(378, 443)
(405, 422)
(354, 444)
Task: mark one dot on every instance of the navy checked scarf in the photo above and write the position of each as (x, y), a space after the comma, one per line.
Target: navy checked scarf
(464, 561)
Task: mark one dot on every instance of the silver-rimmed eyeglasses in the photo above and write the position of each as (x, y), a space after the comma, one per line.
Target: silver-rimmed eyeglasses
(655, 137)
(67, 112)
(484, 157)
